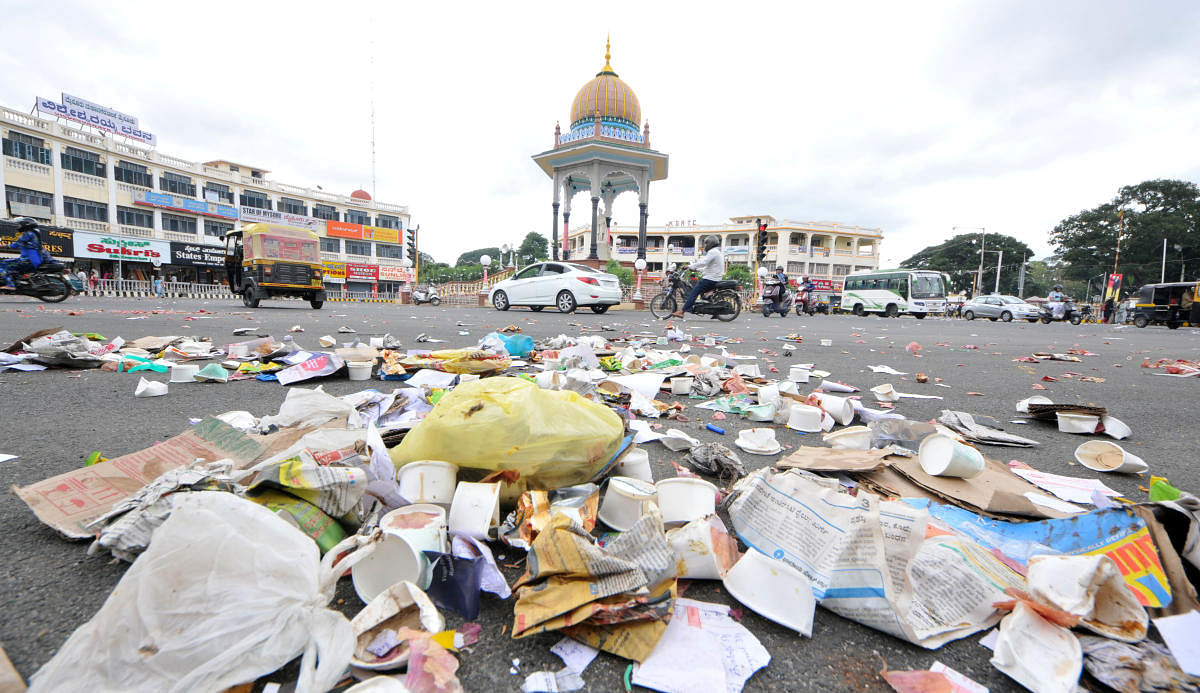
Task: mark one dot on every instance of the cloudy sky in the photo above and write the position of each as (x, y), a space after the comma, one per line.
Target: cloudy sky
(913, 117)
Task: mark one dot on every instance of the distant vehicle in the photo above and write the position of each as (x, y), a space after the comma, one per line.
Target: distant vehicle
(997, 307)
(721, 302)
(1170, 304)
(266, 260)
(562, 284)
(894, 292)
(426, 294)
(1072, 313)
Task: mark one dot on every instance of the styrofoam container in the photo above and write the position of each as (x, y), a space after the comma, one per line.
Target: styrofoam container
(1069, 422)
(1105, 456)
(184, 372)
(636, 465)
(799, 374)
(773, 589)
(804, 418)
(885, 393)
(838, 407)
(849, 438)
(683, 499)
(475, 509)
(941, 455)
(703, 549)
(428, 481)
(359, 370)
(682, 385)
(625, 501)
(392, 560)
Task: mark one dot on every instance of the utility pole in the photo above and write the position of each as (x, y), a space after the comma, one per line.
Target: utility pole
(999, 259)
(979, 277)
(1120, 229)
(1021, 279)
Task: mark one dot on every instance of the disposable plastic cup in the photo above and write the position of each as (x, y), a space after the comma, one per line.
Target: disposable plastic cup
(797, 374)
(428, 481)
(774, 590)
(625, 501)
(1103, 456)
(941, 455)
(475, 509)
(1070, 422)
(359, 370)
(838, 407)
(392, 560)
(683, 499)
(636, 465)
(681, 385)
(885, 393)
(184, 372)
(804, 418)
(849, 438)
(703, 549)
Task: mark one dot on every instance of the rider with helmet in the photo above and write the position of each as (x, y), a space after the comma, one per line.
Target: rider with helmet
(804, 291)
(780, 278)
(711, 267)
(1056, 301)
(29, 244)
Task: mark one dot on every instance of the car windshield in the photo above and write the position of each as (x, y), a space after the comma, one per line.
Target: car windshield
(927, 286)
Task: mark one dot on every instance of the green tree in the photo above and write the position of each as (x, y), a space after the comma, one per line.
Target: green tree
(741, 273)
(959, 258)
(622, 273)
(1143, 215)
(471, 257)
(535, 247)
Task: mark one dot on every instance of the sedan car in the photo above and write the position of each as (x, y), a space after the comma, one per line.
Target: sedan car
(1000, 307)
(562, 284)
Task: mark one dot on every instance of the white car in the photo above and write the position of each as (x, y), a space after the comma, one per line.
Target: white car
(1003, 307)
(561, 284)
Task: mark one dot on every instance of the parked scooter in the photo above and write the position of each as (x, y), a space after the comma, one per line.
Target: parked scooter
(427, 294)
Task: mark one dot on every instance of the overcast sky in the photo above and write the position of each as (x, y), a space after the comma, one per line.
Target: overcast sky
(913, 117)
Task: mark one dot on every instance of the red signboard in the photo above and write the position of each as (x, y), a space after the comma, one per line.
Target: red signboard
(341, 229)
(362, 272)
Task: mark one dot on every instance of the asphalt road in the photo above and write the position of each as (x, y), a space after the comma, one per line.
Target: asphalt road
(56, 417)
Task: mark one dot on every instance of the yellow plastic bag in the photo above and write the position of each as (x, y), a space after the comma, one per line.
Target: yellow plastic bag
(552, 438)
(473, 361)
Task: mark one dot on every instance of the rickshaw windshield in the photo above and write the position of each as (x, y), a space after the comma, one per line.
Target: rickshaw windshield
(279, 243)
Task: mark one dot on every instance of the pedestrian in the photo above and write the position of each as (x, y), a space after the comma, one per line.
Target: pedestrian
(94, 280)
(1108, 309)
(158, 286)
(83, 278)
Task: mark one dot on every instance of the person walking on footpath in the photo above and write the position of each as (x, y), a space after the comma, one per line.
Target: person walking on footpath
(158, 286)
(711, 268)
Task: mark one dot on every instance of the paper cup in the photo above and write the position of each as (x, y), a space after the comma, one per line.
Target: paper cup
(423, 526)
(475, 509)
(1103, 456)
(681, 385)
(184, 372)
(799, 374)
(941, 455)
(849, 438)
(359, 370)
(885, 393)
(636, 465)
(1069, 422)
(428, 481)
(625, 501)
(838, 407)
(401, 604)
(683, 499)
(1116, 428)
(788, 387)
(768, 394)
(703, 549)
(392, 560)
(774, 590)
(804, 418)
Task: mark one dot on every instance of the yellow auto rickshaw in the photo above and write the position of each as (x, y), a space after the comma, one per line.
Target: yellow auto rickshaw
(267, 260)
(1172, 304)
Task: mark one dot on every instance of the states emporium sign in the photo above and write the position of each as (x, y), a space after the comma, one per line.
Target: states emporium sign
(269, 216)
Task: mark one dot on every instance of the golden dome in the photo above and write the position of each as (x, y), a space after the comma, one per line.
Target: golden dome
(607, 95)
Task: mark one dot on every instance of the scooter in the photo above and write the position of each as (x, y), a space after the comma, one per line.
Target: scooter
(807, 305)
(427, 295)
(1071, 313)
(776, 298)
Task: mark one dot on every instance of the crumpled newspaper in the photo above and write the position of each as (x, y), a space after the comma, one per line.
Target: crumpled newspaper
(707, 384)
(717, 460)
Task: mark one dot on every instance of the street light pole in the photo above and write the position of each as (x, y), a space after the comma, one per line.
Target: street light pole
(1162, 275)
(982, 243)
(999, 259)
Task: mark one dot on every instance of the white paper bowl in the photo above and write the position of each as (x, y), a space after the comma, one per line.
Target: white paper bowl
(428, 481)
(804, 418)
(849, 438)
(1069, 422)
(774, 590)
(636, 465)
(683, 499)
(625, 501)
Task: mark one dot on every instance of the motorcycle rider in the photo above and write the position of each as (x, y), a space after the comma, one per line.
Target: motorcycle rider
(711, 267)
(1056, 302)
(804, 291)
(29, 244)
(780, 277)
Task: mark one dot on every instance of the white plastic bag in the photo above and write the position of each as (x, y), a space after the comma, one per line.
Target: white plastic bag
(226, 593)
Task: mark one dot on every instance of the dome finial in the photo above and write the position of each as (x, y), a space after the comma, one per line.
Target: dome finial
(607, 55)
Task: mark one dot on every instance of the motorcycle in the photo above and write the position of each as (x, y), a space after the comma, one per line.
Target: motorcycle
(47, 283)
(1071, 313)
(776, 298)
(426, 295)
(807, 305)
(721, 302)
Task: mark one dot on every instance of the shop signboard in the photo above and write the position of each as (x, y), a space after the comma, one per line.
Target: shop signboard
(58, 242)
(147, 198)
(101, 246)
(392, 273)
(197, 255)
(335, 272)
(357, 272)
(252, 215)
(341, 229)
(73, 108)
(380, 234)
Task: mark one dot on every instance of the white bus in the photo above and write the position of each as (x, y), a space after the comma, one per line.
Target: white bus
(894, 292)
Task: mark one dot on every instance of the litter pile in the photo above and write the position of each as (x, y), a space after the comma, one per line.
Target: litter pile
(239, 528)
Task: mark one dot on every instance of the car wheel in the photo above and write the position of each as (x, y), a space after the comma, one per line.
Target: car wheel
(316, 304)
(536, 309)
(858, 310)
(1006, 316)
(599, 310)
(1141, 321)
(565, 302)
(969, 315)
(500, 300)
(892, 310)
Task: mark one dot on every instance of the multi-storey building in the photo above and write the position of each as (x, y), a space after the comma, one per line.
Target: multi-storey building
(113, 195)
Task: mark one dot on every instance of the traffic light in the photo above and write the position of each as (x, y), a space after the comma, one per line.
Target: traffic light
(762, 240)
(410, 242)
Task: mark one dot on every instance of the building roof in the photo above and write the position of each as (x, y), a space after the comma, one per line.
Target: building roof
(608, 96)
(234, 163)
(361, 194)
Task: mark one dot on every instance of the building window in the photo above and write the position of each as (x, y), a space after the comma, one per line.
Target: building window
(293, 206)
(33, 198)
(818, 268)
(127, 216)
(327, 212)
(83, 161)
(387, 221)
(795, 268)
(85, 209)
(216, 229)
(134, 174)
(863, 268)
(175, 183)
(253, 198)
(20, 146)
(216, 192)
(358, 248)
(356, 217)
(331, 245)
(841, 270)
(178, 224)
(393, 251)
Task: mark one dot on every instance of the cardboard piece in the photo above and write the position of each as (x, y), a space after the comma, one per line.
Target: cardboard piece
(817, 459)
(1182, 591)
(1048, 412)
(70, 501)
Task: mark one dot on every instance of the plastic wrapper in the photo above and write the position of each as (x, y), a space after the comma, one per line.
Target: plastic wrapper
(473, 361)
(518, 345)
(551, 439)
(455, 582)
(535, 508)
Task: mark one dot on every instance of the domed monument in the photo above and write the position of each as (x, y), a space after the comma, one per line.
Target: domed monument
(606, 152)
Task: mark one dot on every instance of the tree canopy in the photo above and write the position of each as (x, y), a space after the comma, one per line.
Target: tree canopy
(959, 258)
(471, 257)
(535, 247)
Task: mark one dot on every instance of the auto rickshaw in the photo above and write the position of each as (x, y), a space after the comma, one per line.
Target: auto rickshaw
(1171, 304)
(267, 260)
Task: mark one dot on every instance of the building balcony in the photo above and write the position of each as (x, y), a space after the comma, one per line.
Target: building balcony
(332, 257)
(131, 189)
(30, 167)
(139, 231)
(85, 180)
(181, 237)
(843, 251)
(86, 225)
(360, 259)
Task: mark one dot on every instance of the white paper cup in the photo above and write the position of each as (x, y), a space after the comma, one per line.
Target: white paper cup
(787, 387)
(475, 509)
(681, 385)
(804, 418)
(885, 393)
(703, 549)
(849, 438)
(636, 465)
(838, 407)
(768, 394)
(1104, 456)
(359, 370)
(625, 501)
(184, 372)
(799, 374)
(392, 561)
(941, 455)
(428, 481)
(423, 526)
(683, 499)
(759, 441)
(1069, 422)
(774, 590)
(1116, 428)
